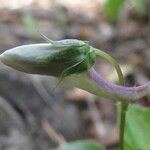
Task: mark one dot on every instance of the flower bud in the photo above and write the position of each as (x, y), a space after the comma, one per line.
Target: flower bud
(93, 82)
(61, 57)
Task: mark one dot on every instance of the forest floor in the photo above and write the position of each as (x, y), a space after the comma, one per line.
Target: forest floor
(29, 109)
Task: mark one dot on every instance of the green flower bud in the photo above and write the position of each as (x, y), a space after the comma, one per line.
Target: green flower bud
(59, 58)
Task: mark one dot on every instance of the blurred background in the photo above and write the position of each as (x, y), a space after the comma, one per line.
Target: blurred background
(30, 113)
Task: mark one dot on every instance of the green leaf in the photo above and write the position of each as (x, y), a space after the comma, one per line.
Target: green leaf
(140, 7)
(137, 130)
(81, 145)
(29, 23)
(112, 9)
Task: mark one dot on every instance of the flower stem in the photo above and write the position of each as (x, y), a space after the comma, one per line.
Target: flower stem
(113, 62)
(124, 104)
(124, 108)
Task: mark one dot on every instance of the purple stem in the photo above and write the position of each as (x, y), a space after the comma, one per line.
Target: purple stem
(113, 88)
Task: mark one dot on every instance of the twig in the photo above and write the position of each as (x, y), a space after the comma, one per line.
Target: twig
(11, 111)
(99, 126)
(56, 137)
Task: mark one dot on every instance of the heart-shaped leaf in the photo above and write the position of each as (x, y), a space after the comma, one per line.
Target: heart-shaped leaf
(137, 130)
(81, 145)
